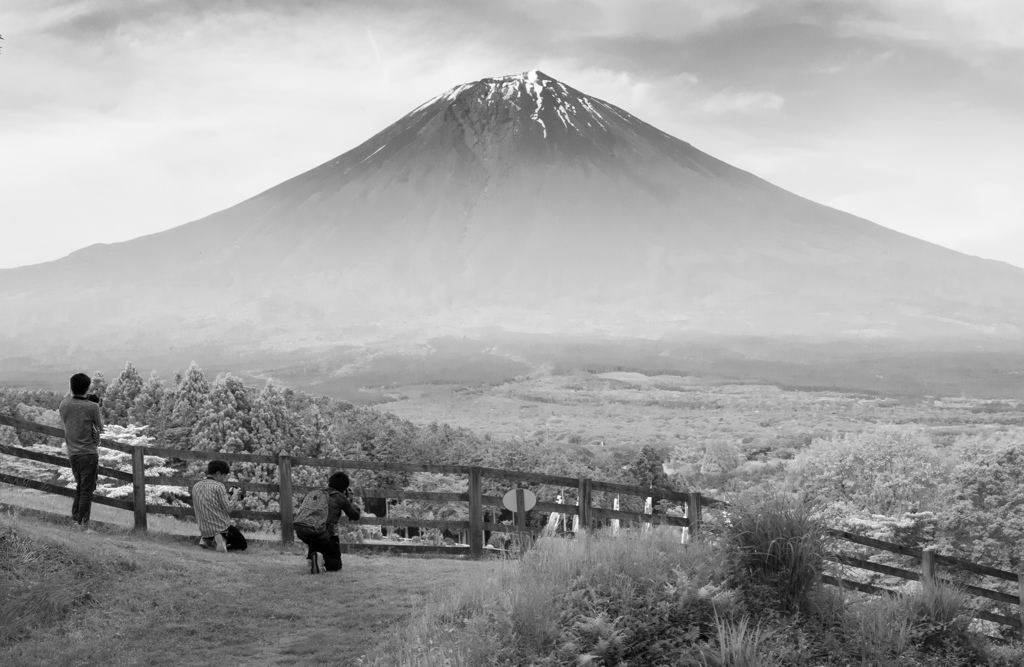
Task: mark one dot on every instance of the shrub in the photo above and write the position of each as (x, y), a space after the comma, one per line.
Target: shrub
(919, 620)
(887, 471)
(777, 549)
(876, 630)
(939, 616)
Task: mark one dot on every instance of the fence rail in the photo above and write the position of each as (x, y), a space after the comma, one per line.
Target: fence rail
(475, 526)
(929, 563)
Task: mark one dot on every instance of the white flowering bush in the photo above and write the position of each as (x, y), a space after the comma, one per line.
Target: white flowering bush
(35, 470)
(132, 435)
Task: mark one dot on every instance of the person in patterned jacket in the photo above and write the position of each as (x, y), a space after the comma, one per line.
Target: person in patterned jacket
(210, 502)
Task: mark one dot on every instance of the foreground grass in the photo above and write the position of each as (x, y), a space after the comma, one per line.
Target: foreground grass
(114, 598)
(639, 599)
(642, 599)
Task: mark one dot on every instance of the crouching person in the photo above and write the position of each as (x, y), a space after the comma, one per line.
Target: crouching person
(316, 521)
(210, 502)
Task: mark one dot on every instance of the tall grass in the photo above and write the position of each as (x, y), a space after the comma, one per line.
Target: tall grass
(738, 645)
(884, 630)
(778, 549)
(877, 630)
(640, 597)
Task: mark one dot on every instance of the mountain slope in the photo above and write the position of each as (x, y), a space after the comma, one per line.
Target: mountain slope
(522, 202)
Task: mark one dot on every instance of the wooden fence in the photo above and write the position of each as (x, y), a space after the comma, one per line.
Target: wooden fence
(929, 573)
(590, 516)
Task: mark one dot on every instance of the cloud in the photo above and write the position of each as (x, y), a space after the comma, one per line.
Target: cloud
(743, 101)
(671, 19)
(970, 28)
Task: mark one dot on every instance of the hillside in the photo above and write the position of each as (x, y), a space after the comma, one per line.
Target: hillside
(114, 598)
(518, 202)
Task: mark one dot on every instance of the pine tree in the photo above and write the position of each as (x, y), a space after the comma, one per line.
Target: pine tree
(99, 385)
(274, 427)
(148, 406)
(647, 469)
(121, 395)
(226, 422)
(190, 403)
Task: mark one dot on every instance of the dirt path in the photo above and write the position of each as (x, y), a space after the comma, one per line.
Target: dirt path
(176, 604)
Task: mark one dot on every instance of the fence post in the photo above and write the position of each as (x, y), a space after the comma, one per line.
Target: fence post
(476, 512)
(284, 476)
(1020, 597)
(520, 511)
(585, 501)
(928, 567)
(693, 512)
(139, 486)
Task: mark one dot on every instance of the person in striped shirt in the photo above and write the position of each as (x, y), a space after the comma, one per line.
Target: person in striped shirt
(210, 502)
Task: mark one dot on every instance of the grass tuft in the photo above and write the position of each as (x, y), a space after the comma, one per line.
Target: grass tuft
(778, 549)
(739, 645)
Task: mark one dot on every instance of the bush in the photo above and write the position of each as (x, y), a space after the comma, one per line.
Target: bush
(886, 471)
(918, 621)
(777, 550)
(877, 630)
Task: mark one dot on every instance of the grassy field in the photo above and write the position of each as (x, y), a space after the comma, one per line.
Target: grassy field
(70, 599)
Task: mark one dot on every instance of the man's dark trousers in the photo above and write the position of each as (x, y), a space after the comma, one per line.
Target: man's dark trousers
(83, 467)
(324, 543)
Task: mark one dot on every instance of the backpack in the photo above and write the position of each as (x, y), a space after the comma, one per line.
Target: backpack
(313, 512)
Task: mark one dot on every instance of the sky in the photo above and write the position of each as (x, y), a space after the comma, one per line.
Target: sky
(124, 118)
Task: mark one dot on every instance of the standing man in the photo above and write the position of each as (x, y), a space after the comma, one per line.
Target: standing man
(83, 424)
(210, 502)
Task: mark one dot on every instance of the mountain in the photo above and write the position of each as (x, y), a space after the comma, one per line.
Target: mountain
(518, 202)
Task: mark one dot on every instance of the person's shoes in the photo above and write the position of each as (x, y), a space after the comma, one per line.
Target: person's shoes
(222, 544)
(207, 543)
(85, 527)
(314, 564)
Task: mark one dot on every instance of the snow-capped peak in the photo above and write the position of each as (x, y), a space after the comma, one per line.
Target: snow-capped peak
(546, 101)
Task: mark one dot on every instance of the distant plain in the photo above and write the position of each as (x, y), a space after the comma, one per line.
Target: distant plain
(589, 392)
